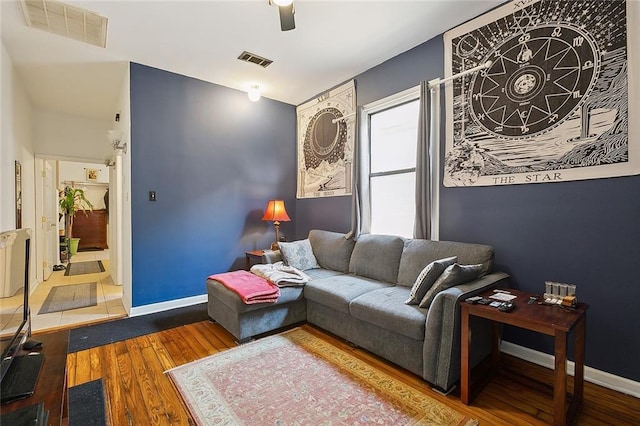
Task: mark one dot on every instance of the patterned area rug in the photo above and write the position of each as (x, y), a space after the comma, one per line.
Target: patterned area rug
(79, 268)
(297, 378)
(67, 297)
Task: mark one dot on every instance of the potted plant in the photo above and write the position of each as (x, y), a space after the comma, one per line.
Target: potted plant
(71, 201)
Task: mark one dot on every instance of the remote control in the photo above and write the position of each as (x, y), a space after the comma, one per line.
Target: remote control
(31, 345)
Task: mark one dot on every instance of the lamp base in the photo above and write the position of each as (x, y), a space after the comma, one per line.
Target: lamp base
(275, 246)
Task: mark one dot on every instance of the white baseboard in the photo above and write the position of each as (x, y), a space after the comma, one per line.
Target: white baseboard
(592, 375)
(165, 306)
(33, 285)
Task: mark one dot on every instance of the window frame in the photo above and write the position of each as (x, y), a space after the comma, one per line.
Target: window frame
(406, 96)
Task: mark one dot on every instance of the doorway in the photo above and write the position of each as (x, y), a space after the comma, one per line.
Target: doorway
(94, 226)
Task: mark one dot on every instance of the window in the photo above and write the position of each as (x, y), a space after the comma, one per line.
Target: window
(392, 136)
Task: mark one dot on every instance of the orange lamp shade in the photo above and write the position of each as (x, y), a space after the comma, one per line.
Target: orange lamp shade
(276, 212)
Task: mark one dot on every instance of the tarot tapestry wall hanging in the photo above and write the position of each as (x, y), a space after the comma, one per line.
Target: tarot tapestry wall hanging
(325, 143)
(554, 103)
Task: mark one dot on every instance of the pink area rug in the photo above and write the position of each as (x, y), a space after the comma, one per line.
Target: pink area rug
(295, 378)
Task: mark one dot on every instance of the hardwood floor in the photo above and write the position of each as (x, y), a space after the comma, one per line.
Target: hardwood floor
(138, 393)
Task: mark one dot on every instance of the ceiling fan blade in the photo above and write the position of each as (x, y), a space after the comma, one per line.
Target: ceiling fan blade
(287, 21)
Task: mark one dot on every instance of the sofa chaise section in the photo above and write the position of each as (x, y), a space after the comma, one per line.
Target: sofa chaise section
(246, 321)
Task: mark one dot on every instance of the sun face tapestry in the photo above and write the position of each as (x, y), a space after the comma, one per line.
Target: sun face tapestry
(553, 105)
(325, 143)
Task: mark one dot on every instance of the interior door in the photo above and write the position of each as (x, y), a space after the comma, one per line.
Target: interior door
(49, 220)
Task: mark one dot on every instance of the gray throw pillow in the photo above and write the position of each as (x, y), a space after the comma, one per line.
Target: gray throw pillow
(452, 276)
(427, 277)
(299, 255)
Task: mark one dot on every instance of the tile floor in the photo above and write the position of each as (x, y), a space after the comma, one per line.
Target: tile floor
(109, 300)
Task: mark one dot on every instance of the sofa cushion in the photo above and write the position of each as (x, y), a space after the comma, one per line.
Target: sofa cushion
(338, 291)
(386, 308)
(332, 249)
(452, 276)
(233, 301)
(377, 257)
(427, 277)
(419, 253)
(316, 274)
(298, 254)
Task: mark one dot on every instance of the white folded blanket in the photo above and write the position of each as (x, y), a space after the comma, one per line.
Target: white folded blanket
(281, 274)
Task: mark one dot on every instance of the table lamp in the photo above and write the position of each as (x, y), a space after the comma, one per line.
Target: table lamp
(276, 213)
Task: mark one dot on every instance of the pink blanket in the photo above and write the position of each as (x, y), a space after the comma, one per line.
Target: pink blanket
(251, 288)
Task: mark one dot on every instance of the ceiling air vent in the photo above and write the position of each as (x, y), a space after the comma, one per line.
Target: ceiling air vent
(66, 20)
(255, 59)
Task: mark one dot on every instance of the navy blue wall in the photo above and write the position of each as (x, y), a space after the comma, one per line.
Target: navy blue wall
(583, 232)
(214, 159)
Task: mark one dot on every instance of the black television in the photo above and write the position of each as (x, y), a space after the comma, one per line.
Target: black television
(18, 369)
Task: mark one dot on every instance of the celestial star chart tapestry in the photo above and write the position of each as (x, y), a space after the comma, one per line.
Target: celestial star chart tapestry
(325, 143)
(554, 103)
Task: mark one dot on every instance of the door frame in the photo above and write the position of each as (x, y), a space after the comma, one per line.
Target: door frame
(43, 268)
(115, 226)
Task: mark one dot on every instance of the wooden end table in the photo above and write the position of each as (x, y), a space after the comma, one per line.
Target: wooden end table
(551, 320)
(253, 256)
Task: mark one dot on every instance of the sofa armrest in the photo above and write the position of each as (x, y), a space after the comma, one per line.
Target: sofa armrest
(271, 256)
(441, 351)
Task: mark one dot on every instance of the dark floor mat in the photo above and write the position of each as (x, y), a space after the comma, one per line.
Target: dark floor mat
(68, 297)
(79, 268)
(114, 331)
(87, 404)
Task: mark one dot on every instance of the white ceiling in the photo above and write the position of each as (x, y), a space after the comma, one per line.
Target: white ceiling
(333, 41)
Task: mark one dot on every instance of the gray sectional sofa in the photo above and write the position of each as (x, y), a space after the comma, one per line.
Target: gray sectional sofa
(359, 294)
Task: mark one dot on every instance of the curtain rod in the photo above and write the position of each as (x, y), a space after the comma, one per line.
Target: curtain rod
(84, 183)
(432, 84)
(438, 81)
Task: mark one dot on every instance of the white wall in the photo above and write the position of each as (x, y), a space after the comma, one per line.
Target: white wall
(16, 144)
(59, 135)
(74, 174)
(125, 222)
(7, 216)
(77, 172)
(120, 189)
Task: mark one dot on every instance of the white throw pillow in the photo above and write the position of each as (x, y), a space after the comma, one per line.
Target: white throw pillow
(452, 276)
(299, 255)
(427, 277)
